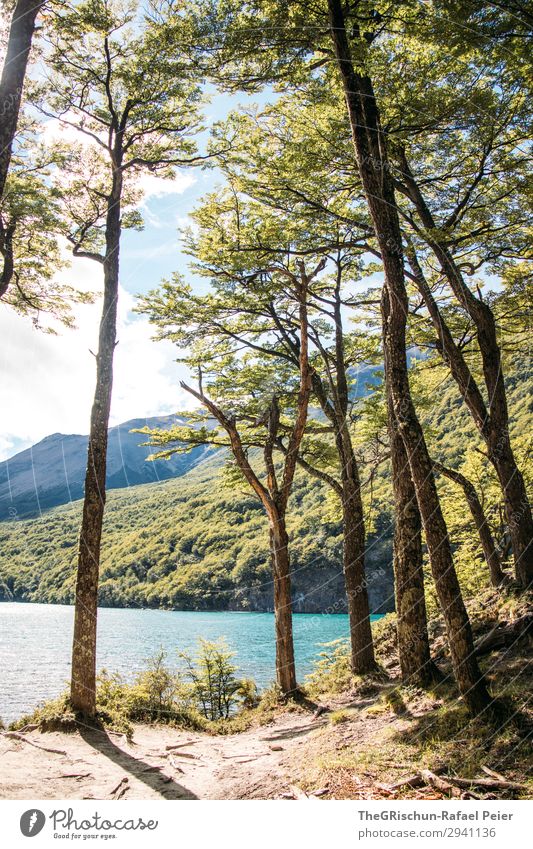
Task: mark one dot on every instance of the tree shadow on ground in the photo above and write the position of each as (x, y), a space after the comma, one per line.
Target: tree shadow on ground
(99, 739)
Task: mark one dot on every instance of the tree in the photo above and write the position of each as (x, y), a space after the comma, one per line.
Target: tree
(457, 124)
(32, 229)
(113, 78)
(293, 48)
(490, 550)
(19, 42)
(250, 412)
(371, 153)
(257, 219)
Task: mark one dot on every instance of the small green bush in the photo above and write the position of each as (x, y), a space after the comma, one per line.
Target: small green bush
(215, 689)
(332, 672)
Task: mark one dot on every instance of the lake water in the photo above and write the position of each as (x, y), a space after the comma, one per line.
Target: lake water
(35, 644)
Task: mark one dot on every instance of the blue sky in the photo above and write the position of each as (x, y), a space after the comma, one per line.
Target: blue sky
(48, 381)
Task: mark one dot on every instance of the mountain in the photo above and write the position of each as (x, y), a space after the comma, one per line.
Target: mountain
(52, 472)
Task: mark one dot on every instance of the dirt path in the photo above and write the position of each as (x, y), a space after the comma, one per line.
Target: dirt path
(159, 762)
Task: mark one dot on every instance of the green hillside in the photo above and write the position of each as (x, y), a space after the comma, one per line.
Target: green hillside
(194, 543)
(187, 543)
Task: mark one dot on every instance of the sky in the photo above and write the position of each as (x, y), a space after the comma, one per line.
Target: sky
(47, 382)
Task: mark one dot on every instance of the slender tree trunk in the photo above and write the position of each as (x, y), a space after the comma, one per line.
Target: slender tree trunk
(83, 681)
(279, 545)
(490, 549)
(362, 647)
(375, 174)
(495, 426)
(12, 82)
(413, 640)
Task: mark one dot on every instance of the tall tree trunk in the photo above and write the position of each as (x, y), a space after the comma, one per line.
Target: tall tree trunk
(83, 681)
(375, 175)
(362, 647)
(490, 549)
(279, 544)
(413, 640)
(495, 426)
(12, 82)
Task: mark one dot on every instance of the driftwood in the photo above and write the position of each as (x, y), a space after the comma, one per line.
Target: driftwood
(494, 774)
(16, 736)
(410, 781)
(67, 775)
(184, 755)
(454, 785)
(505, 634)
(180, 745)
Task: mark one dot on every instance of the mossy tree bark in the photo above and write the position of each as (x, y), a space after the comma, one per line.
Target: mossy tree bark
(281, 570)
(374, 170)
(361, 643)
(413, 640)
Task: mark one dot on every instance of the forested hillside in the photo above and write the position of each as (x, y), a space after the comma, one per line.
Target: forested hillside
(189, 544)
(198, 543)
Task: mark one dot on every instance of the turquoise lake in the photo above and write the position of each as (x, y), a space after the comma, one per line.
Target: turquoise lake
(35, 644)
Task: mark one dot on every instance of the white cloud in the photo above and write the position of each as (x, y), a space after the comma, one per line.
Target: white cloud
(48, 381)
(153, 186)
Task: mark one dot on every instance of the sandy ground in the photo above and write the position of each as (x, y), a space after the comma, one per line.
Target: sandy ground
(158, 763)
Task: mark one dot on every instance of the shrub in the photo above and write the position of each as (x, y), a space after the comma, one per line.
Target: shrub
(215, 687)
(332, 672)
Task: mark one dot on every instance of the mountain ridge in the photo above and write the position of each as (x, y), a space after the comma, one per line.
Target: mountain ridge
(52, 472)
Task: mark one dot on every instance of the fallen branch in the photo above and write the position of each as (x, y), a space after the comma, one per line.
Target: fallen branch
(185, 755)
(493, 774)
(410, 781)
(441, 784)
(67, 775)
(16, 736)
(505, 634)
(120, 789)
(489, 783)
(297, 793)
